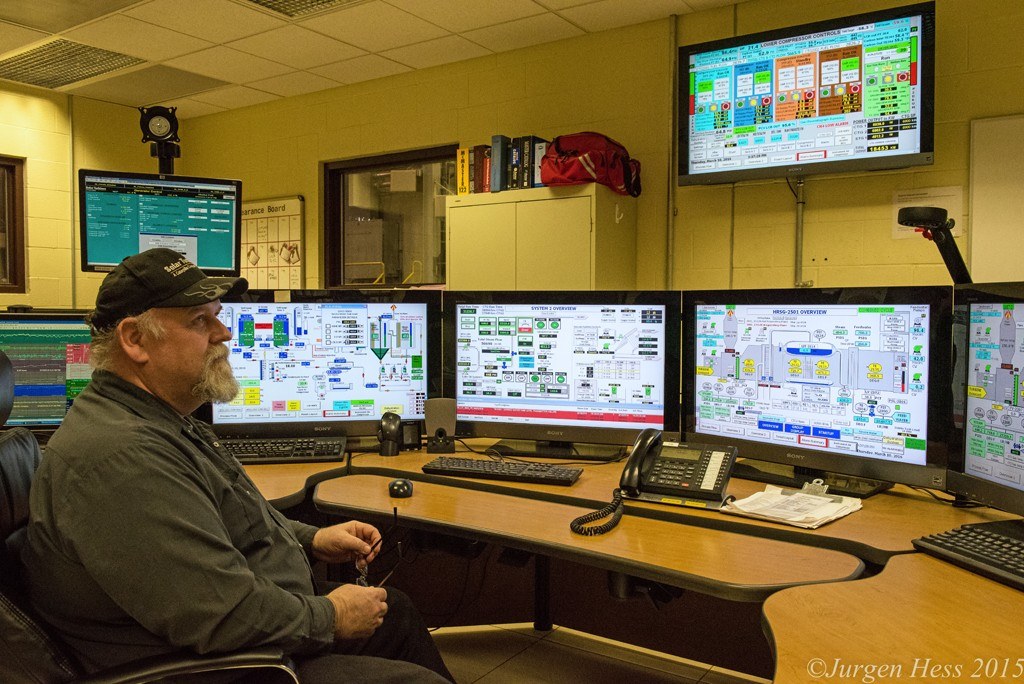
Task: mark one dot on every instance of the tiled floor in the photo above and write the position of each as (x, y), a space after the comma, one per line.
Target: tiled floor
(516, 654)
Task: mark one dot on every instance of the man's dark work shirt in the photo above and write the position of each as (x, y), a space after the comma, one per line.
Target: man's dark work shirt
(145, 537)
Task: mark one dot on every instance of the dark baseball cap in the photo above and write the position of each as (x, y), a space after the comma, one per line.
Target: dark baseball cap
(158, 278)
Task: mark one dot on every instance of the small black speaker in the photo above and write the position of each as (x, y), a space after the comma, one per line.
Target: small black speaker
(390, 433)
(440, 419)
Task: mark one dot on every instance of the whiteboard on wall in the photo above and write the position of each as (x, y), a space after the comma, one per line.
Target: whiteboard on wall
(997, 199)
(272, 243)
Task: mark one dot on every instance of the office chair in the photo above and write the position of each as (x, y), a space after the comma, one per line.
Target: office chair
(29, 651)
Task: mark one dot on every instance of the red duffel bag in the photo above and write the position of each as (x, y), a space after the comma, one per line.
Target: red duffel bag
(590, 158)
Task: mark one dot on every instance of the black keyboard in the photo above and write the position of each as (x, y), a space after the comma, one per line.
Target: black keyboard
(995, 550)
(297, 450)
(512, 471)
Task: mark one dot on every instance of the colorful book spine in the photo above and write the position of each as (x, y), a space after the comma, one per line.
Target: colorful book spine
(499, 162)
(487, 170)
(477, 165)
(462, 177)
(515, 162)
(540, 148)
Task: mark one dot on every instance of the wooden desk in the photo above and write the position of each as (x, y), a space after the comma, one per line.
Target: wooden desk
(285, 484)
(725, 564)
(884, 526)
(918, 612)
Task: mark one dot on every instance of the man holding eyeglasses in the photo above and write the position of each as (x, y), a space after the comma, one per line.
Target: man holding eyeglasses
(147, 537)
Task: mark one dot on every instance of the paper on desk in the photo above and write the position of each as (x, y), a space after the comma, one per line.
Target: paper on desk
(793, 507)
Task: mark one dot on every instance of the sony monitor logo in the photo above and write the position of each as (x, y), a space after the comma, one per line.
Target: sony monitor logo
(554, 433)
(795, 457)
(325, 428)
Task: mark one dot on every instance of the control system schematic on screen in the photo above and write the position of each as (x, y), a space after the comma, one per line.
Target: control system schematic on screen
(827, 96)
(563, 364)
(317, 361)
(844, 378)
(995, 394)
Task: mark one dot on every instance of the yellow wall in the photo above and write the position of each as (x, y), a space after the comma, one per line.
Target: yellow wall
(616, 82)
(34, 125)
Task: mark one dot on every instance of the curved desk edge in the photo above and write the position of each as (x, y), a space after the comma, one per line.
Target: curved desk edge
(576, 553)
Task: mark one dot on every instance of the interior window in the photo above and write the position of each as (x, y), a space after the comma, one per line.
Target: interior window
(12, 224)
(384, 218)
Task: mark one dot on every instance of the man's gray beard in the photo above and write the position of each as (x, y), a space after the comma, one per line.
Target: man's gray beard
(218, 383)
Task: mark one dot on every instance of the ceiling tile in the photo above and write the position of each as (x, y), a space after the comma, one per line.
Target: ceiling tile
(229, 65)
(14, 37)
(188, 108)
(217, 21)
(562, 4)
(459, 15)
(136, 38)
(374, 26)
(156, 83)
(234, 96)
(609, 14)
(433, 52)
(296, 83)
(365, 68)
(56, 15)
(543, 28)
(297, 47)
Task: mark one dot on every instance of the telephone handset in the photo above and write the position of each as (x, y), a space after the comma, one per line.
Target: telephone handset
(685, 474)
(681, 474)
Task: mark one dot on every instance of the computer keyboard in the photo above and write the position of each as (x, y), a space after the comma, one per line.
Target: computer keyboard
(512, 471)
(995, 550)
(291, 450)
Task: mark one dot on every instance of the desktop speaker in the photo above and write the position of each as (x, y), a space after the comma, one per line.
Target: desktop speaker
(440, 419)
(390, 434)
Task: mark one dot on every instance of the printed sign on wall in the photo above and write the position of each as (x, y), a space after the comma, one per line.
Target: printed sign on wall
(272, 244)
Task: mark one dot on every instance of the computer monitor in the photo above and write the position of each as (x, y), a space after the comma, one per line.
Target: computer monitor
(315, 363)
(845, 384)
(986, 461)
(49, 353)
(849, 94)
(126, 213)
(562, 374)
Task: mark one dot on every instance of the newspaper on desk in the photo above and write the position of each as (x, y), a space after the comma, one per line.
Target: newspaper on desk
(794, 507)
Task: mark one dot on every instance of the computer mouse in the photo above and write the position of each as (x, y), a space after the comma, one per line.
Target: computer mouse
(400, 488)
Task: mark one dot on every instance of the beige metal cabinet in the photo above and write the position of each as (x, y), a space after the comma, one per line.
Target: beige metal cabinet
(580, 237)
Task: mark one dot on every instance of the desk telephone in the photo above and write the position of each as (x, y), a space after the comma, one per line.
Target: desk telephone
(687, 474)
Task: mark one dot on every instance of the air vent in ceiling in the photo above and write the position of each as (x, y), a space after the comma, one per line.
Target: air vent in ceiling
(61, 62)
(298, 8)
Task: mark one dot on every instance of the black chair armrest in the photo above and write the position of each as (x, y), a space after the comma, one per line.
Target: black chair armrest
(278, 667)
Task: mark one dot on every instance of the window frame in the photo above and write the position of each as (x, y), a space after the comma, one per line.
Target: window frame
(333, 194)
(13, 205)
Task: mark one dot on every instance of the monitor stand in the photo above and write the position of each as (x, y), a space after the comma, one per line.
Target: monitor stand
(794, 477)
(573, 451)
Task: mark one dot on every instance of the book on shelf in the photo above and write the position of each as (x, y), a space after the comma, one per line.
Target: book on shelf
(462, 177)
(515, 162)
(476, 164)
(533, 149)
(500, 145)
(540, 148)
(486, 177)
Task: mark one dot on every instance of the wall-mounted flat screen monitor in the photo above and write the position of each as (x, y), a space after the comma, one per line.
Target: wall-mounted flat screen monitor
(328, 362)
(560, 373)
(123, 213)
(849, 94)
(987, 454)
(49, 353)
(841, 384)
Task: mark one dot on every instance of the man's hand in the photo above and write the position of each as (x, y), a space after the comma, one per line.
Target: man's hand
(352, 540)
(358, 611)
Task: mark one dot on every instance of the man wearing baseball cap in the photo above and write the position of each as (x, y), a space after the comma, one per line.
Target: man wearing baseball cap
(146, 537)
